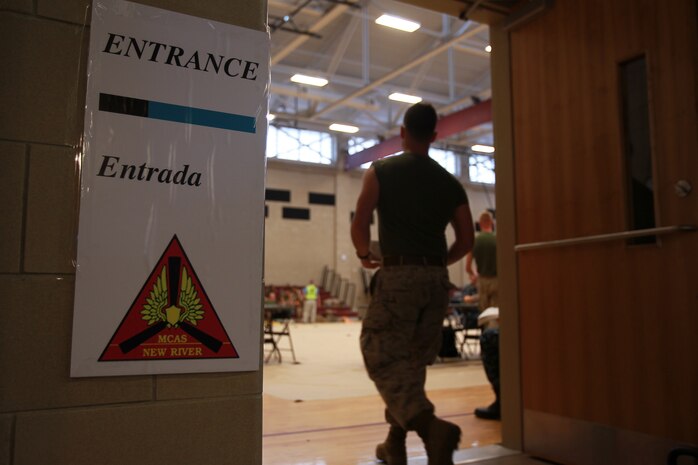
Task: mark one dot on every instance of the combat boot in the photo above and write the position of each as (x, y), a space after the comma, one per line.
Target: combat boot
(393, 450)
(440, 438)
(492, 412)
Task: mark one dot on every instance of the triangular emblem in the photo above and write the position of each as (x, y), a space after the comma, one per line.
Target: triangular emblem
(171, 318)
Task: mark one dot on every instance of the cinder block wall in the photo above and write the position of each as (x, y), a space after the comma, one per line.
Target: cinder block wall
(45, 416)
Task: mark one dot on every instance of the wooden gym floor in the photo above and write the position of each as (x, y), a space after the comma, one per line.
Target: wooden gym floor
(325, 411)
(346, 431)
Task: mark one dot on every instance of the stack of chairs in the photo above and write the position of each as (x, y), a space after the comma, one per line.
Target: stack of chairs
(337, 296)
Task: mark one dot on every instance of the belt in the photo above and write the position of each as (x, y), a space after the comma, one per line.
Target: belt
(401, 260)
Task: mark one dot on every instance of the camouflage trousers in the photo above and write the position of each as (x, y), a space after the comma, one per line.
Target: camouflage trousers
(488, 294)
(401, 335)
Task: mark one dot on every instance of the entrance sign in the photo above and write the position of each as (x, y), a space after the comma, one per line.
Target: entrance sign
(170, 240)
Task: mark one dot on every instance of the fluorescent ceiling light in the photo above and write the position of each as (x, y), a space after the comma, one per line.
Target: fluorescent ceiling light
(482, 148)
(398, 97)
(488, 49)
(343, 128)
(398, 23)
(310, 80)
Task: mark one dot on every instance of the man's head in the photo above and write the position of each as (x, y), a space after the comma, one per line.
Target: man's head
(486, 222)
(419, 124)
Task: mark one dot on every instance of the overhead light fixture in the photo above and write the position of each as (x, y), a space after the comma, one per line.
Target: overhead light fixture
(309, 80)
(399, 97)
(343, 128)
(488, 49)
(270, 116)
(482, 148)
(398, 23)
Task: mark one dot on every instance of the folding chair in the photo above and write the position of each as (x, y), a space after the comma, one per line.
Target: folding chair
(277, 326)
(468, 330)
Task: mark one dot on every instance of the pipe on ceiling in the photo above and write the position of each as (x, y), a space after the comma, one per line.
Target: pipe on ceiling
(446, 126)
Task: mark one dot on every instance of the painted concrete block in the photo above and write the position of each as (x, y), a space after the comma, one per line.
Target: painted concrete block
(52, 209)
(208, 432)
(72, 11)
(41, 98)
(35, 341)
(208, 385)
(248, 13)
(23, 6)
(12, 175)
(6, 422)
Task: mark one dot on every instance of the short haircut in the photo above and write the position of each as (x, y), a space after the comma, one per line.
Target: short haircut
(420, 121)
(486, 218)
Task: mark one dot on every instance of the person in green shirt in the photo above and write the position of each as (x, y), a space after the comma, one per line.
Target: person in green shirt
(485, 254)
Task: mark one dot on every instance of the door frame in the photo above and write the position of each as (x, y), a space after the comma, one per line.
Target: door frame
(509, 341)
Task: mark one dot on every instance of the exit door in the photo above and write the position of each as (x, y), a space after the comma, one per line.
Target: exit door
(606, 170)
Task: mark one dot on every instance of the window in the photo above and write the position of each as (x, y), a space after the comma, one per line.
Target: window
(300, 145)
(638, 147)
(357, 144)
(481, 168)
(447, 159)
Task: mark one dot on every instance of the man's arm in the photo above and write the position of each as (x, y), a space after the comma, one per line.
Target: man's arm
(361, 225)
(462, 223)
(469, 266)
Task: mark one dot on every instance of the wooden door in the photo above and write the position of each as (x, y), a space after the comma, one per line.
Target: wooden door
(608, 330)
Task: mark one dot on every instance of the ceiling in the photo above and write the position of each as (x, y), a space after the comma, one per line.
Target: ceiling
(444, 62)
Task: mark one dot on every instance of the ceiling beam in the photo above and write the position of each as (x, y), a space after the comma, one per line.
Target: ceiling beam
(401, 70)
(489, 12)
(326, 19)
(467, 137)
(445, 127)
(481, 52)
(341, 47)
(457, 103)
(365, 45)
(436, 99)
(288, 7)
(358, 83)
(317, 97)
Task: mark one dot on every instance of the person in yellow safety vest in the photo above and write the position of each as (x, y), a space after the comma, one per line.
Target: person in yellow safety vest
(310, 293)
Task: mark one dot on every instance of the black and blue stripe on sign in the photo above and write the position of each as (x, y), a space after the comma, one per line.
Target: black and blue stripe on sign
(176, 113)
